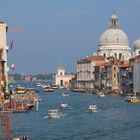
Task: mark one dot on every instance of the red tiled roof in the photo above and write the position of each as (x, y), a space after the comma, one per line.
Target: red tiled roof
(96, 58)
(101, 64)
(124, 65)
(92, 58)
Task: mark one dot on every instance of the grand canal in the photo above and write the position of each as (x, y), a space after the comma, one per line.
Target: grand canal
(115, 119)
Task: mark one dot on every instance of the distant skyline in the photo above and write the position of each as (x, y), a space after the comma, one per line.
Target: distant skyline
(47, 33)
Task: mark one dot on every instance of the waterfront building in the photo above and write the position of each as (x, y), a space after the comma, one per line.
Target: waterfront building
(62, 79)
(85, 70)
(107, 75)
(115, 52)
(125, 76)
(114, 42)
(3, 57)
(134, 77)
(135, 70)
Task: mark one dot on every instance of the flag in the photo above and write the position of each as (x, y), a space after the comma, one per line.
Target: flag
(11, 45)
(12, 66)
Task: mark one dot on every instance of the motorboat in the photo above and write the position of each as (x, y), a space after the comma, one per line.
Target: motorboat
(135, 99)
(48, 89)
(54, 86)
(53, 113)
(92, 108)
(64, 105)
(132, 98)
(65, 94)
(21, 138)
(101, 94)
(20, 90)
(128, 98)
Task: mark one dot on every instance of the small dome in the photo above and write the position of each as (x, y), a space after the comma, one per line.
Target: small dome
(113, 37)
(137, 44)
(114, 16)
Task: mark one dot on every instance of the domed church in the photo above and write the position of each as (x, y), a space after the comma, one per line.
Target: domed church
(137, 47)
(114, 42)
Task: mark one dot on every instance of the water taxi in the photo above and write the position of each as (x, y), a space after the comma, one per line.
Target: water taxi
(92, 108)
(65, 94)
(101, 94)
(64, 105)
(132, 99)
(135, 99)
(53, 113)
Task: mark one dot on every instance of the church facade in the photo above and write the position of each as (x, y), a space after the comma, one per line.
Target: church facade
(114, 42)
(62, 79)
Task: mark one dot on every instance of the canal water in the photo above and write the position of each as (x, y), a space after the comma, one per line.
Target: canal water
(115, 119)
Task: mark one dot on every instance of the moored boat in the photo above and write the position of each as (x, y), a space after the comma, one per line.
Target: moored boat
(20, 90)
(17, 107)
(54, 86)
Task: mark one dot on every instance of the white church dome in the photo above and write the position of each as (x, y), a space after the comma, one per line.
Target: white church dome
(114, 35)
(137, 44)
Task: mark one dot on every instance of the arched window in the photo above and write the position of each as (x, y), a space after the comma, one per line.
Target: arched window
(120, 55)
(115, 55)
(61, 82)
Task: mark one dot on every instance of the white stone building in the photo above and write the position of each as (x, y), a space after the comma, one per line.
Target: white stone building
(3, 54)
(62, 79)
(137, 47)
(114, 42)
(85, 71)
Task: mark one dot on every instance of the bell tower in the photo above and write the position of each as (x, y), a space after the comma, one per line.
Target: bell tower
(60, 70)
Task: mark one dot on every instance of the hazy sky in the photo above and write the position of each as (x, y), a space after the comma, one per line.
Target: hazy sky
(49, 32)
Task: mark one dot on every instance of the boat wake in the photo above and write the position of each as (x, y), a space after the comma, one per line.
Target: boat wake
(45, 117)
(61, 115)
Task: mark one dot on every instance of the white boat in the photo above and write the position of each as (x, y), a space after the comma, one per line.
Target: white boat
(64, 105)
(21, 138)
(132, 99)
(65, 94)
(38, 85)
(54, 86)
(48, 89)
(101, 94)
(92, 108)
(53, 113)
(20, 90)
